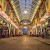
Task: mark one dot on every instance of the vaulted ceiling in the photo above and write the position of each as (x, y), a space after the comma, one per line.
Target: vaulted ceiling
(25, 9)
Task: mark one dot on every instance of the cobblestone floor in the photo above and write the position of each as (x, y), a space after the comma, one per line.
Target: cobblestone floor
(22, 43)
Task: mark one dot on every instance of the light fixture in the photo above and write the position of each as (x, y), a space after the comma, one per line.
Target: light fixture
(4, 23)
(34, 26)
(25, 23)
(25, 12)
(25, 27)
(38, 24)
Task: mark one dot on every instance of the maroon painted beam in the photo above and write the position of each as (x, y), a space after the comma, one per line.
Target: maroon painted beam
(11, 7)
(39, 9)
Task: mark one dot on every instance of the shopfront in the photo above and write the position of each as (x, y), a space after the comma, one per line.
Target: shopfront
(4, 29)
(45, 21)
(48, 26)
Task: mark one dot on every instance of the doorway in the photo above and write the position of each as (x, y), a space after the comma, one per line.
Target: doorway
(25, 31)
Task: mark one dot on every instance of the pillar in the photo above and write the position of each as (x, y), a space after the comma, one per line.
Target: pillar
(14, 31)
(36, 27)
(41, 29)
(9, 30)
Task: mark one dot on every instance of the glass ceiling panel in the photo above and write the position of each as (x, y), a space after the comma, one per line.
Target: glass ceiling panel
(25, 5)
(14, 0)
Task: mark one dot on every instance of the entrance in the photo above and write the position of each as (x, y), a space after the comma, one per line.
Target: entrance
(25, 31)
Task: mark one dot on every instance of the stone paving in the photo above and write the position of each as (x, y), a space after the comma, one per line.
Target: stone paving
(22, 43)
(47, 41)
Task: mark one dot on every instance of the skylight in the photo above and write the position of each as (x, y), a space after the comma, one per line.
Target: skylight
(25, 5)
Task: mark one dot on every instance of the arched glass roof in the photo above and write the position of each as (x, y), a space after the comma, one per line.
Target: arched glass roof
(25, 9)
